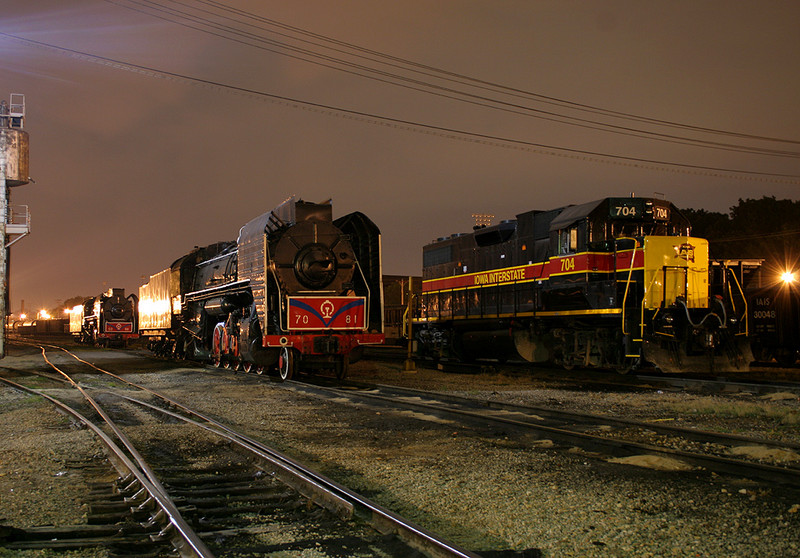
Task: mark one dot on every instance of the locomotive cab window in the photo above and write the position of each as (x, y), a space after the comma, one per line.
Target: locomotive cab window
(627, 230)
(568, 241)
(658, 229)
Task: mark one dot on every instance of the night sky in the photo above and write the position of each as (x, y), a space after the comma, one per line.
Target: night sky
(156, 126)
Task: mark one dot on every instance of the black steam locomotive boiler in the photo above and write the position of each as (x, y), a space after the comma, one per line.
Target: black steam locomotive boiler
(296, 288)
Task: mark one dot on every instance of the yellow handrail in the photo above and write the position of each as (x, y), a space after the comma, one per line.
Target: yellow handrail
(628, 281)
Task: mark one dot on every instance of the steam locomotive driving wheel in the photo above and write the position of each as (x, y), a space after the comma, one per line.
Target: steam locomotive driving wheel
(286, 364)
(216, 345)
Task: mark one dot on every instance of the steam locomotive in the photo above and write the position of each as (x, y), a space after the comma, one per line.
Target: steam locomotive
(108, 319)
(614, 283)
(295, 288)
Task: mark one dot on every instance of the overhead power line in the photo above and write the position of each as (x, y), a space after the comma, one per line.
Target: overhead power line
(450, 133)
(360, 61)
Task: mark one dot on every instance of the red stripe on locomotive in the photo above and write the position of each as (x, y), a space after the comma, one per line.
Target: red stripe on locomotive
(587, 262)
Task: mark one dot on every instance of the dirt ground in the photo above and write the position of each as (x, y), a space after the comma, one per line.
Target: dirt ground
(483, 493)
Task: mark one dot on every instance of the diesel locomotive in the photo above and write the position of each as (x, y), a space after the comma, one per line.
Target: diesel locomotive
(297, 288)
(108, 319)
(614, 283)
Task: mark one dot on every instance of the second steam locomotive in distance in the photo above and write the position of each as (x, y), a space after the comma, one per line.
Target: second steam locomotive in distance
(613, 283)
(109, 319)
(296, 286)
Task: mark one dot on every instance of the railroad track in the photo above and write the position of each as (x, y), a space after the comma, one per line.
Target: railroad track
(772, 380)
(170, 499)
(602, 436)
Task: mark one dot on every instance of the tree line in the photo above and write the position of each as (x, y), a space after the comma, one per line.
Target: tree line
(766, 228)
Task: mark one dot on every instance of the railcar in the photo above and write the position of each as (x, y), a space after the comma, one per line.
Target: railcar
(614, 283)
(161, 315)
(296, 288)
(773, 304)
(775, 315)
(110, 319)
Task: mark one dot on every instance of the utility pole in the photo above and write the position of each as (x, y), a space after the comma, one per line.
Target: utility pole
(13, 172)
(410, 365)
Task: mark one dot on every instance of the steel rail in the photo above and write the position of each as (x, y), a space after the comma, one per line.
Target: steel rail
(722, 386)
(718, 464)
(289, 475)
(701, 435)
(193, 546)
(300, 482)
(729, 385)
(412, 534)
(169, 508)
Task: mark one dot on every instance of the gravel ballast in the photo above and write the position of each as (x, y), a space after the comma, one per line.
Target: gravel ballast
(483, 493)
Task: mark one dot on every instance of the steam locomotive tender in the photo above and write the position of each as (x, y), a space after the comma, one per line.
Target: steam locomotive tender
(296, 288)
(614, 283)
(108, 319)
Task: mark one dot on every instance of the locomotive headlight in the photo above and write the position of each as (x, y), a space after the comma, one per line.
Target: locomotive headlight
(788, 277)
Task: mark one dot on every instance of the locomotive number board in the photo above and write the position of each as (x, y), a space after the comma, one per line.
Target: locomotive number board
(637, 209)
(334, 312)
(119, 327)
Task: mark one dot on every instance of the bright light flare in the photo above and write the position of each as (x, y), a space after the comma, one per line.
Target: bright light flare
(788, 277)
(44, 315)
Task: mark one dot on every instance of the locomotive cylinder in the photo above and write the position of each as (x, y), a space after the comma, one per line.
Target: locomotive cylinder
(219, 306)
(224, 305)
